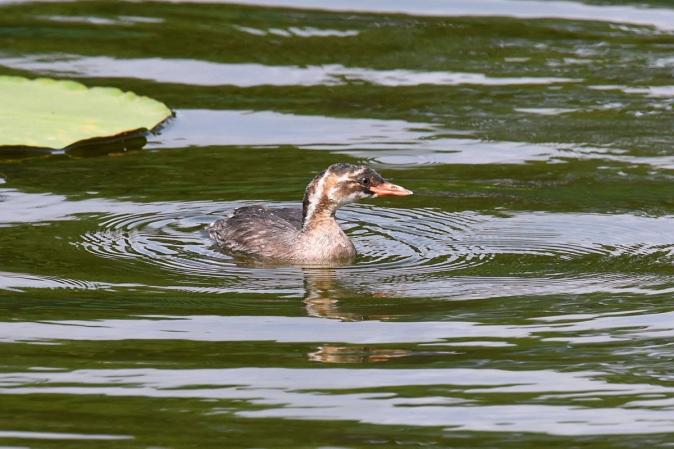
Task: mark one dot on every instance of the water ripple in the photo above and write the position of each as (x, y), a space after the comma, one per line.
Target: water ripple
(390, 142)
(467, 399)
(578, 329)
(18, 281)
(409, 252)
(661, 18)
(205, 73)
(417, 248)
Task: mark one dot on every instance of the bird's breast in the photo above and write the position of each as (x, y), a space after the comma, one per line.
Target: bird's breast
(326, 244)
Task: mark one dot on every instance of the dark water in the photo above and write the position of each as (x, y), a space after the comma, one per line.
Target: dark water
(522, 298)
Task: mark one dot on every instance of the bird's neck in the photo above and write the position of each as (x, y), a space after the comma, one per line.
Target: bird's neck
(317, 208)
(319, 213)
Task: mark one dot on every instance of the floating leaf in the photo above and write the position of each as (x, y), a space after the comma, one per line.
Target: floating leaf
(46, 113)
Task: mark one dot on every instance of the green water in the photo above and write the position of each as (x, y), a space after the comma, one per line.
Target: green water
(522, 298)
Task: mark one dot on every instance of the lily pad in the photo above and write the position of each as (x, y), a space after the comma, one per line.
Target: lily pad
(46, 113)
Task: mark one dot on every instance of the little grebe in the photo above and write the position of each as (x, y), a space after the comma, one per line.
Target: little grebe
(310, 235)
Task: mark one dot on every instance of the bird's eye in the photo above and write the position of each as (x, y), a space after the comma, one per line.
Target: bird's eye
(365, 181)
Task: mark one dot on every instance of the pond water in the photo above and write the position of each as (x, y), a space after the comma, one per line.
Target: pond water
(522, 298)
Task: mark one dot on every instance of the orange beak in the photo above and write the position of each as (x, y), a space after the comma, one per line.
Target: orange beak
(388, 189)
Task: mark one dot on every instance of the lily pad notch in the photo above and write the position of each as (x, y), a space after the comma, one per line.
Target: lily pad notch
(52, 114)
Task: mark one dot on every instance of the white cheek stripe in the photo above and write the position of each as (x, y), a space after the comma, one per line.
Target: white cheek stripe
(314, 198)
(320, 187)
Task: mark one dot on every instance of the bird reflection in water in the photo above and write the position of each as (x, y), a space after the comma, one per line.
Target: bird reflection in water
(321, 292)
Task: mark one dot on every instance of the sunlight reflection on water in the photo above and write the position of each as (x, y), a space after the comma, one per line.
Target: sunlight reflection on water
(59, 436)
(320, 330)
(204, 73)
(661, 18)
(314, 394)
(393, 142)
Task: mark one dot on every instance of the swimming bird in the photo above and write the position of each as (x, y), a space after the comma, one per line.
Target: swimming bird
(309, 235)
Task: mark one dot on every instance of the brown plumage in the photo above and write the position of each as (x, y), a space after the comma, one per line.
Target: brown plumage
(309, 235)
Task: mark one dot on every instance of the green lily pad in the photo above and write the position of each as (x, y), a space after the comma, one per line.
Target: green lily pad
(46, 113)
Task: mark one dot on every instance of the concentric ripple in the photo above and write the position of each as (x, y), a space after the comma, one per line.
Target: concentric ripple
(395, 240)
(417, 248)
(18, 281)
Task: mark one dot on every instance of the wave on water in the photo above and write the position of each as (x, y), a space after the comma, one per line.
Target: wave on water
(205, 73)
(404, 252)
(464, 399)
(414, 252)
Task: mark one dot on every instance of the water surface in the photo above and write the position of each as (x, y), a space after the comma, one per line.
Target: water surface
(521, 298)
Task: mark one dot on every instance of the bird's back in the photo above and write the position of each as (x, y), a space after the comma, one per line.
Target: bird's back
(258, 231)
